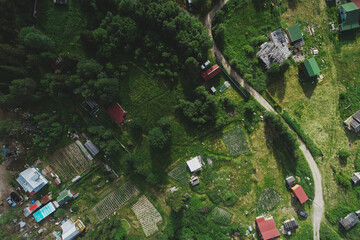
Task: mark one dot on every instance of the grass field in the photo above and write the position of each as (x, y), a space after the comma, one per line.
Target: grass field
(221, 216)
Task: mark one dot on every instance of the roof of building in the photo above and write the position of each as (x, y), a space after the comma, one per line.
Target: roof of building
(211, 72)
(291, 225)
(195, 164)
(349, 221)
(71, 229)
(44, 212)
(290, 181)
(117, 112)
(300, 193)
(357, 3)
(267, 228)
(64, 196)
(295, 33)
(91, 106)
(312, 68)
(32, 208)
(91, 147)
(45, 199)
(348, 7)
(30, 179)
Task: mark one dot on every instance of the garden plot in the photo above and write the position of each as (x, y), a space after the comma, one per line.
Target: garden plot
(180, 174)
(221, 216)
(268, 199)
(115, 200)
(147, 215)
(69, 162)
(235, 141)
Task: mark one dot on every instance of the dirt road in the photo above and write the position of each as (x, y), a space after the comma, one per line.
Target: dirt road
(318, 203)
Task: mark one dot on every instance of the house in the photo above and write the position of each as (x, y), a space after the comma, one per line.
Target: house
(91, 147)
(211, 72)
(299, 193)
(62, 2)
(276, 50)
(356, 178)
(29, 210)
(91, 106)
(64, 197)
(71, 229)
(349, 221)
(290, 181)
(311, 68)
(194, 181)
(290, 226)
(117, 113)
(195, 164)
(295, 36)
(45, 211)
(349, 15)
(267, 228)
(353, 122)
(31, 180)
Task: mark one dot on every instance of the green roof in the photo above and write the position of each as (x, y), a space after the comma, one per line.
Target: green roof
(295, 33)
(311, 67)
(348, 7)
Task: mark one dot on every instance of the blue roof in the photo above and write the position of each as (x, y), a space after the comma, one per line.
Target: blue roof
(44, 212)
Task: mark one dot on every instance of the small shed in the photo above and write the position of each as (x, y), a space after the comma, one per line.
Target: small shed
(64, 197)
(267, 228)
(300, 193)
(311, 68)
(290, 181)
(195, 164)
(194, 181)
(91, 106)
(91, 147)
(295, 36)
(211, 72)
(349, 15)
(291, 225)
(353, 122)
(349, 221)
(117, 112)
(213, 90)
(29, 210)
(356, 178)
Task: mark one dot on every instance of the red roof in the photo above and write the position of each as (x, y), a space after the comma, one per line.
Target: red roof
(33, 207)
(357, 3)
(299, 193)
(117, 112)
(267, 228)
(211, 72)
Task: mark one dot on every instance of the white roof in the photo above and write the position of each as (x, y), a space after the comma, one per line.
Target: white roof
(71, 229)
(30, 179)
(195, 164)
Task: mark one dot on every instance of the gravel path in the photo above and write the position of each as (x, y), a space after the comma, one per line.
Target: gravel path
(318, 203)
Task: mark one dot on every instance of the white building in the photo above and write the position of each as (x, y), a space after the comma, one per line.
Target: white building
(195, 164)
(71, 229)
(31, 180)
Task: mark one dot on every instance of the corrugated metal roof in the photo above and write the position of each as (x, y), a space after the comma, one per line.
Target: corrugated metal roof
(295, 33)
(44, 212)
(311, 66)
(350, 7)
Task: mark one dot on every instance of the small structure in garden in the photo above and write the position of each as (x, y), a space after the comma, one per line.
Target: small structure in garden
(225, 86)
(194, 181)
(310, 67)
(295, 36)
(45, 211)
(91, 147)
(91, 106)
(71, 229)
(290, 181)
(356, 178)
(195, 164)
(349, 15)
(173, 189)
(62, 2)
(267, 228)
(349, 221)
(45, 199)
(299, 193)
(213, 90)
(29, 210)
(276, 50)
(31, 180)
(117, 113)
(353, 122)
(211, 72)
(64, 197)
(358, 213)
(290, 226)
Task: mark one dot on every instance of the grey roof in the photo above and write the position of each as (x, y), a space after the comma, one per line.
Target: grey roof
(356, 116)
(290, 180)
(291, 225)
(349, 221)
(30, 179)
(91, 147)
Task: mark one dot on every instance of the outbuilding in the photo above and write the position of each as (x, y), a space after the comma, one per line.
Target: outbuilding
(349, 221)
(290, 225)
(290, 181)
(91, 147)
(300, 193)
(356, 178)
(311, 68)
(349, 15)
(267, 228)
(211, 72)
(195, 164)
(117, 113)
(295, 36)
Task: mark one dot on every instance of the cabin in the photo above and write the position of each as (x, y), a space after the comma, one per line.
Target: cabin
(356, 178)
(290, 181)
(299, 193)
(267, 228)
(31, 180)
(71, 229)
(64, 197)
(295, 36)
(194, 181)
(290, 226)
(310, 68)
(349, 221)
(349, 15)
(274, 51)
(353, 122)
(45, 211)
(91, 106)
(91, 147)
(211, 72)
(30, 209)
(195, 164)
(117, 113)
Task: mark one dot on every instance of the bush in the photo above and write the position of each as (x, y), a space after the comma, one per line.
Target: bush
(343, 180)
(344, 154)
(60, 212)
(357, 160)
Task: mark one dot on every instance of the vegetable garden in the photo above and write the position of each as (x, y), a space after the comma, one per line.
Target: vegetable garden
(268, 199)
(180, 174)
(221, 216)
(235, 141)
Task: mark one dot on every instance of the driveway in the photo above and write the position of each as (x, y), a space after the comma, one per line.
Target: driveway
(318, 203)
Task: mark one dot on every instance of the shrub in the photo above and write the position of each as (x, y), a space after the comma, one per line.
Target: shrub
(60, 212)
(357, 160)
(344, 154)
(343, 180)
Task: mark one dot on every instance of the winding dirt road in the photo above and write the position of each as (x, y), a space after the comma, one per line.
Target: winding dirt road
(318, 202)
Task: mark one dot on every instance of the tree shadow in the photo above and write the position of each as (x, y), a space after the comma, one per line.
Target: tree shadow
(279, 90)
(308, 84)
(161, 160)
(292, 4)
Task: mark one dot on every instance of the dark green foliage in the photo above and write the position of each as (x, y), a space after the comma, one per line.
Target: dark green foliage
(20, 91)
(176, 200)
(228, 104)
(105, 140)
(160, 136)
(337, 212)
(53, 85)
(59, 212)
(10, 127)
(202, 110)
(342, 179)
(50, 128)
(38, 42)
(357, 160)
(343, 154)
(326, 233)
(108, 229)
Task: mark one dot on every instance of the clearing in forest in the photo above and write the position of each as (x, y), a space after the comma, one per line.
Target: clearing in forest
(221, 216)
(235, 141)
(147, 215)
(69, 162)
(115, 200)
